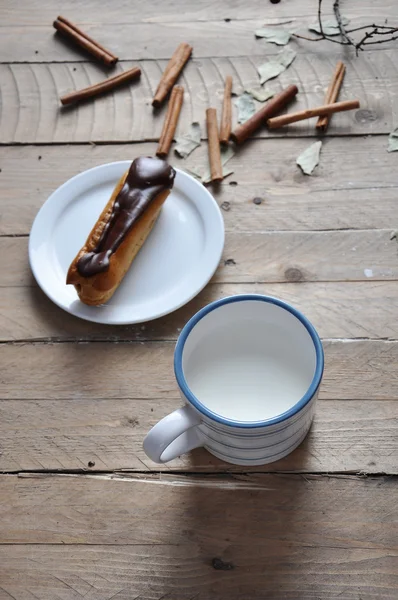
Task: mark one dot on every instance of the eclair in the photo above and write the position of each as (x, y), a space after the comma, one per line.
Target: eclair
(121, 230)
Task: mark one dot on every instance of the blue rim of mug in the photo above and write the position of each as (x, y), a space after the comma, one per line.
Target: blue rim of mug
(179, 372)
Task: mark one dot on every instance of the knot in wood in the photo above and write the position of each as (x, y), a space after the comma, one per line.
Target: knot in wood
(293, 274)
(363, 115)
(220, 565)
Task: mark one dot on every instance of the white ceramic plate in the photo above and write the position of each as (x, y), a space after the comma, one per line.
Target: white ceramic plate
(175, 263)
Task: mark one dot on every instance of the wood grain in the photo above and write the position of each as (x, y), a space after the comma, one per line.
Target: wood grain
(31, 112)
(309, 256)
(345, 191)
(321, 242)
(269, 257)
(78, 507)
(347, 436)
(355, 370)
(337, 309)
(186, 572)
(40, 12)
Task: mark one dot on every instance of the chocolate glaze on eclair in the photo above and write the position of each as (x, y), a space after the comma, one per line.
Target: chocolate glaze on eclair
(146, 178)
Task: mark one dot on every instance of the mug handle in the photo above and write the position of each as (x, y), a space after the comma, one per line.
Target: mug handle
(174, 435)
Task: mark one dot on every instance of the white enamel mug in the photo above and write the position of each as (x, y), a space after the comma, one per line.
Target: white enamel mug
(249, 369)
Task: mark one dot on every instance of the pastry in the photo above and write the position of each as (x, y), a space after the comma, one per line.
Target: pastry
(121, 230)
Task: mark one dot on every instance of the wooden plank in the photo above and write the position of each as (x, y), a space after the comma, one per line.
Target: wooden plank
(163, 509)
(342, 193)
(309, 256)
(337, 309)
(282, 571)
(160, 536)
(31, 110)
(355, 370)
(106, 435)
(272, 257)
(40, 12)
(157, 40)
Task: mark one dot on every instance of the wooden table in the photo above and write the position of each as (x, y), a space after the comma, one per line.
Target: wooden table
(83, 512)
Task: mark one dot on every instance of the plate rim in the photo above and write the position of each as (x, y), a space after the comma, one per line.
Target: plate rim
(97, 318)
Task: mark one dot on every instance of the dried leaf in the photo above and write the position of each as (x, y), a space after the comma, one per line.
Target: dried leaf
(194, 172)
(226, 154)
(274, 34)
(260, 94)
(286, 57)
(206, 177)
(188, 142)
(246, 107)
(393, 141)
(329, 27)
(226, 172)
(269, 70)
(276, 65)
(309, 159)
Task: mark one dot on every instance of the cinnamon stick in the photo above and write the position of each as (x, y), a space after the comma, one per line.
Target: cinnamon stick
(275, 105)
(226, 115)
(171, 73)
(166, 122)
(332, 94)
(171, 120)
(214, 145)
(326, 109)
(68, 28)
(102, 87)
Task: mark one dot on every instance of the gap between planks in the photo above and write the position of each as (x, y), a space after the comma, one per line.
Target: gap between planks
(154, 340)
(162, 477)
(267, 134)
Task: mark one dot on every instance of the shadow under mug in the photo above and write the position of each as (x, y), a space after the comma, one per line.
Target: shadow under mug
(249, 369)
